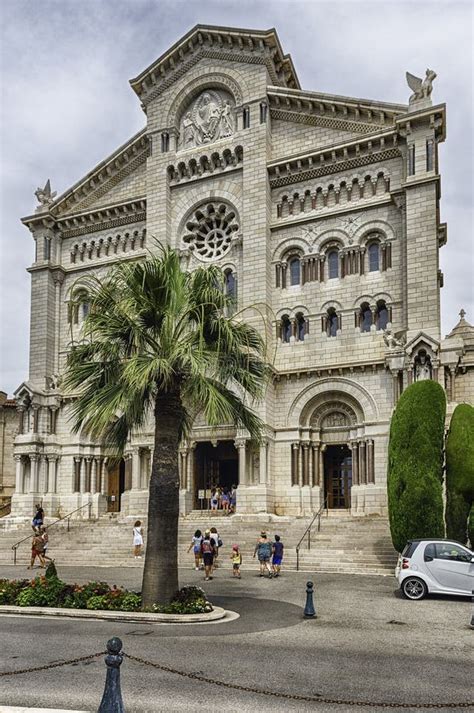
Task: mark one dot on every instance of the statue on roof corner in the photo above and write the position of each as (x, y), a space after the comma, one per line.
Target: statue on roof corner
(421, 88)
(45, 196)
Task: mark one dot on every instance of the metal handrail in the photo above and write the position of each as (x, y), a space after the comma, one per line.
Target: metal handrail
(307, 532)
(51, 524)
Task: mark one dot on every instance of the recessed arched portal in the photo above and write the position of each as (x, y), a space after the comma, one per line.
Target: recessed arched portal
(215, 466)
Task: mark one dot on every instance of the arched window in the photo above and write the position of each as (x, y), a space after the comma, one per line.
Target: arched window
(382, 315)
(333, 264)
(365, 317)
(85, 309)
(301, 327)
(374, 257)
(285, 329)
(331, 322)
(230, 288)
(295, 271)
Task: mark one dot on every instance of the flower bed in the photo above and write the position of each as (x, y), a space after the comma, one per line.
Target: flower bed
(49, 591)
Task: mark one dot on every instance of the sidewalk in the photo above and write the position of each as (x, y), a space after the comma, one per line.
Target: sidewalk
(14, 709)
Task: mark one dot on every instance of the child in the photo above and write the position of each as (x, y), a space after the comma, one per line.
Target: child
(214, 500)
(45, 538)
(196, 545)
(236, 558)
(37, 548)
(208, 551)
(137, 539)
(277, 550)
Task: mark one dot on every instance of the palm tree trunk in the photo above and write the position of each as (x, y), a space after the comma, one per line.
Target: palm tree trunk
(160, 575)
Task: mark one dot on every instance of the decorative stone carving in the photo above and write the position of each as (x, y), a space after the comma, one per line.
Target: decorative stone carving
(211, 231)
(422, 366)
(391, 340)
(334, 419)
(210, 117)
(421, 88)
(45, 196)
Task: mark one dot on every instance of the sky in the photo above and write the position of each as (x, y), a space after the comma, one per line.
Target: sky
(66, 104)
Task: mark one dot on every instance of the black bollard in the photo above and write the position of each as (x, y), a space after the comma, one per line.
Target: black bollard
(309, 610)
(112, 699)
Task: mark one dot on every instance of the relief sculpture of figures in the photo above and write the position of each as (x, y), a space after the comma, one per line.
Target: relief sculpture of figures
(391, 341)
(210, 118)
(421, 88)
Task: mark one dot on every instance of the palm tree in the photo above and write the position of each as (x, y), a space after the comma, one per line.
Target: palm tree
(159, 340)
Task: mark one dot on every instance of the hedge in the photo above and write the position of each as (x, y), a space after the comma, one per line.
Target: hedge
(460, 475)
(415, 464)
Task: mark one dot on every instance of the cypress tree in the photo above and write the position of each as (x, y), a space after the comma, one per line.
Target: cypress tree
(460, 475)
(415, 464)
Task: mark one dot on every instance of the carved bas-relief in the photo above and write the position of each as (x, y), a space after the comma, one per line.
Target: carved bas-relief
(210, 117)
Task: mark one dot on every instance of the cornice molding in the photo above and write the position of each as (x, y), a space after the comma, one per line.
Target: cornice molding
(132, 211)
(224, 43)
(323, 121)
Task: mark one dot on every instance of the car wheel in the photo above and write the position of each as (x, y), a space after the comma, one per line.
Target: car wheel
(414, 588)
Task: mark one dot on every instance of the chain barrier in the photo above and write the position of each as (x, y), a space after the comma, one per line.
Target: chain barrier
(52, 665)
(296, 696)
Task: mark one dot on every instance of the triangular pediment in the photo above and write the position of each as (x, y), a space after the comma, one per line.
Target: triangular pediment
(421, 339)
(226, 43)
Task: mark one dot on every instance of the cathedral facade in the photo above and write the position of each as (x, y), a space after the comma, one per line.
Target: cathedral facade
(323, 212)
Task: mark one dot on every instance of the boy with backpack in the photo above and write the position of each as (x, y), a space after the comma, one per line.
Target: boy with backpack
(208, 551)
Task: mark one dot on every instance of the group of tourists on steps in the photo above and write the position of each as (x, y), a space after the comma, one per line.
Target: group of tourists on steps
(206, 553)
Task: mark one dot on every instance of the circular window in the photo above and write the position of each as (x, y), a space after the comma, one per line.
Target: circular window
(209, 232)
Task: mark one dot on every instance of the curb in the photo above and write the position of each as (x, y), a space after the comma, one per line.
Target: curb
(22, 709)
(136, 617)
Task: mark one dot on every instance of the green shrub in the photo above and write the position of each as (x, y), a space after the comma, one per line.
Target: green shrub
(10, 589)
(51, 571)
(41, 592)
(460, 475)
(415, 460)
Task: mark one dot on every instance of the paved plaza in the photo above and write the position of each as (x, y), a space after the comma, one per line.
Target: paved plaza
(366, 644)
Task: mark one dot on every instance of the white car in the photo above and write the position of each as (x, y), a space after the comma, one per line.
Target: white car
(435, 567)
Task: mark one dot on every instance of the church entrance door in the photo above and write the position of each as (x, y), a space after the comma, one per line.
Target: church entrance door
(338, 476)
(215, 467)
(116, 486)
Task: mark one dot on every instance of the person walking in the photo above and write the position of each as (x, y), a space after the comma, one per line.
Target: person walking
(263, 550)
(196, 541)
(137, 539)
(214, 500)
(236, 558)
(277, 550)
(217, 544)
(225, 501)
(45, 538)
(207, 551)
(38, 519)
(37, 548)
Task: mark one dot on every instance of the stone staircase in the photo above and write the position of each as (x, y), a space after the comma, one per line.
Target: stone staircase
(355, 545)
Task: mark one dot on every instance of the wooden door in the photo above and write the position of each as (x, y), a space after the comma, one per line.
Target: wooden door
(338, 477)
(113, 494)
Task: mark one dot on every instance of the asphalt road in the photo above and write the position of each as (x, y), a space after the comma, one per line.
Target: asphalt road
(366, 644)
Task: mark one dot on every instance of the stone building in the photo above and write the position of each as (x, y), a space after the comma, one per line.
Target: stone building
(8, 431)
(324, 213)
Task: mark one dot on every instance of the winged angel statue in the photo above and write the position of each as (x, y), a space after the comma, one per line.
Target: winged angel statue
(45, 195)
(421, 88)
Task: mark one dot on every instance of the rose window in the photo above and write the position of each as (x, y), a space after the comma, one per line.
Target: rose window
(210, 230)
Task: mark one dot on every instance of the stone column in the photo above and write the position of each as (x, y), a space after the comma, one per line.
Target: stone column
(36, 410)
(370, 461)
(103, 476)
(294, 463)
(82, 475)
(33, 472)
(362, 464)
(305, 474)
(190, 469)
(355, 463)
(263, 463)
(94, 476)
(316, 472)
(18, 473)
(88, 470)
(321, 464)
(21, 419)
(241, 446)
(136, 474)
(183, 467)
(44, 486)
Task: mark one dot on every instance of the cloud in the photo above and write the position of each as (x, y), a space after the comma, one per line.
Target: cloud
(66, 103)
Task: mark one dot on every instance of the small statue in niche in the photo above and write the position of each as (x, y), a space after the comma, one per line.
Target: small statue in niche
(421, 88)
(45, 196)
(189, 131)
(422, 366)
(54, 382)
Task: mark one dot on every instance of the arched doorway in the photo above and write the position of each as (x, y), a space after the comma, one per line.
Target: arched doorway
(115, 485)
(338, 476)
(214, 466)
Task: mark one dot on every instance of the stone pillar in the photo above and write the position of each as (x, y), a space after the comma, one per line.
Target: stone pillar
(94, 476)
(136, 474)
(370, 461)
(355, 463)
(21, 419)
(321, 464)
(316, 472)
(44, 469)
(103, 476)
(82, 475)
(263, 463)
(241, 446)
(36, 410)
(18, 473)
(305, 474)
(294, 463)
(34, 472)
(88, 469)
(362, 463)
(54, 418)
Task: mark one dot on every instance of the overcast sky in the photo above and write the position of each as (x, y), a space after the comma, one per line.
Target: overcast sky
(66, 103)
